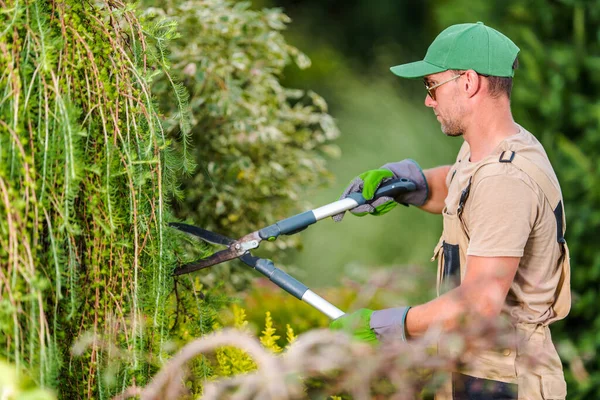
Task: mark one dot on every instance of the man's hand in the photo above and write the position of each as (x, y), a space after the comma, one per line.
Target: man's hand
(371, 326)
(356, 324)
(368, 182)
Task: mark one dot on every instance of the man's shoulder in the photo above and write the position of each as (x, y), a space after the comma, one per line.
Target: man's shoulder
(528, 146)
(530, 151)
(505, 177)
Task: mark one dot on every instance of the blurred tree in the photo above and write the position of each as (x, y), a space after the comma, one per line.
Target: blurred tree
(355, 40)
(359, 29)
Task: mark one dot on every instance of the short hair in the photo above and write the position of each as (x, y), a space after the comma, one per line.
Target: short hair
(499, 85)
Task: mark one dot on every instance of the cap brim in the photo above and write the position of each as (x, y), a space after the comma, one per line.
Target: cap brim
(417, 69)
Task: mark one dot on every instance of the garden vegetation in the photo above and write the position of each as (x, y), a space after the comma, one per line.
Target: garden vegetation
(117, 118)
(102, 120)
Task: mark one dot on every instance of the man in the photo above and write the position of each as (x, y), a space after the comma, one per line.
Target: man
(502, 253)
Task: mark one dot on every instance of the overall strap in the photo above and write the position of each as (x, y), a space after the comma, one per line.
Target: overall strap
(551, 190)
(562, 303)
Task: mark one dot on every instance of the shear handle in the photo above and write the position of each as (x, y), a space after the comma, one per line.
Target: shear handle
(297, 223)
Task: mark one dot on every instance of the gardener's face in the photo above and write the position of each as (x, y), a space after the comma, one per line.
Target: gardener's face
(443, 97)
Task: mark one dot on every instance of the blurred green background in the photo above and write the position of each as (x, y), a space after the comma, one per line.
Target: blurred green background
(377, 126)
(352, 44)
(382, 119)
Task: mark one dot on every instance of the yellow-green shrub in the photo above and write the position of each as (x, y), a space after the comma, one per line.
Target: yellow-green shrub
(232, 361)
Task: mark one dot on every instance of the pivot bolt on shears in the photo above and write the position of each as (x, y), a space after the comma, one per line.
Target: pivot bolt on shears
(241, 248)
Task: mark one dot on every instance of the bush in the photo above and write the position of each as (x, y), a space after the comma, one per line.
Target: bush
(89, 166)
(85, 177)
(258, 144)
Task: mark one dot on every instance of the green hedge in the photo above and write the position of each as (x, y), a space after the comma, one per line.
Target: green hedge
(96, 136)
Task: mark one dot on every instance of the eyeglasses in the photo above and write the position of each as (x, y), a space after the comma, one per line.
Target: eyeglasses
(431, 89)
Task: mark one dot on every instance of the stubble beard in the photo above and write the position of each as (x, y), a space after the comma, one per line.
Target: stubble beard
(452, 129)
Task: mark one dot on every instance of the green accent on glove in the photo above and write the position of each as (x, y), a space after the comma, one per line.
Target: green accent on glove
(379, 210)
(372, 179)
(356, 324)
(371, 182)
(384, 208)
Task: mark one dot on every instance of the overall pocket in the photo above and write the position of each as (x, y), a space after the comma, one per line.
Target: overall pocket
(554, 387)
(465, 387)
(451, 267)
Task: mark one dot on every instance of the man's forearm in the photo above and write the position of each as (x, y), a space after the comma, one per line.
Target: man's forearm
(444, 311)
(436, 180)
(481, 294)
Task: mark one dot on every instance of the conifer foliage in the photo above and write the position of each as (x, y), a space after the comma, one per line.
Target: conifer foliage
(86, 171)
(96, 135)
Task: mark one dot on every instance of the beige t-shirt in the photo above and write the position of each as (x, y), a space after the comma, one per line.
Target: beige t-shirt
(506, 214)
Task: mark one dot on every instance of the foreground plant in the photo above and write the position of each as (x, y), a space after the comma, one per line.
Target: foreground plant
(393, 369)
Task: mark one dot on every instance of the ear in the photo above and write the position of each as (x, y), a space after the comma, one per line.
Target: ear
(472, 83)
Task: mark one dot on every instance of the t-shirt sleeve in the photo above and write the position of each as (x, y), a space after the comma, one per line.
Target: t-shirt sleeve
(501, 216)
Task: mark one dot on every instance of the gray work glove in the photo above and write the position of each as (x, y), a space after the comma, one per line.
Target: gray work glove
(368, 182)
(390, 323)
(372, 326)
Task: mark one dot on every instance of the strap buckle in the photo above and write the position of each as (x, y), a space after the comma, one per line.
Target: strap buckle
(507, 160)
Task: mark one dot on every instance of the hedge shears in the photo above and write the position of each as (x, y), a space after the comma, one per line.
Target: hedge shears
(241, 248)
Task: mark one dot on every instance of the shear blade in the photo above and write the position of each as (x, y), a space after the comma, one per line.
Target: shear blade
(217, 258)
(203, 234)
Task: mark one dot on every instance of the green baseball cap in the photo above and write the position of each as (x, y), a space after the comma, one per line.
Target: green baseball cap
(465, 46)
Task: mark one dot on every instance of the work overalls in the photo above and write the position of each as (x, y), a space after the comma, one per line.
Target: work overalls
(504, 372)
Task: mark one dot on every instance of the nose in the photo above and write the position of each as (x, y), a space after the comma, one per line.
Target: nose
(429, 102)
